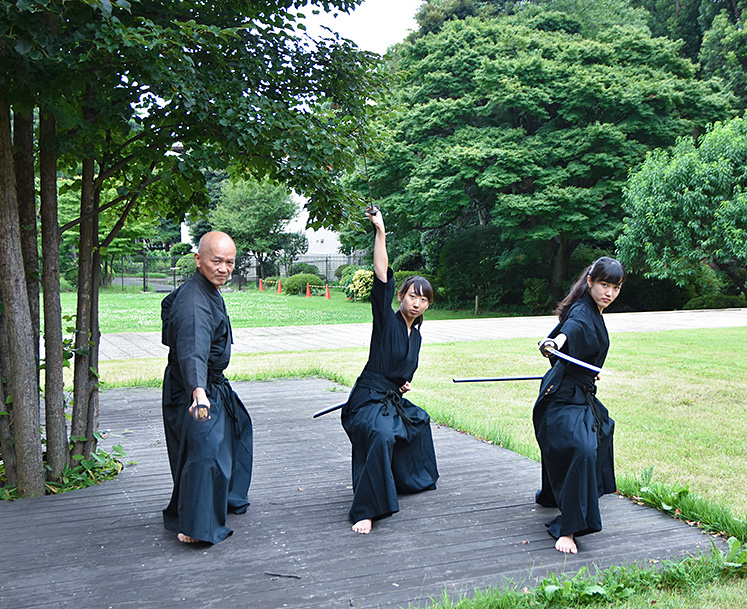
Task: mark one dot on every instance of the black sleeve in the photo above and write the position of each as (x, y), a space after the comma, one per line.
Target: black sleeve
(192, 327)
(382, 294)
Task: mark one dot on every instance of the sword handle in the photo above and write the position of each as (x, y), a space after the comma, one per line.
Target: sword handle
(547, 343)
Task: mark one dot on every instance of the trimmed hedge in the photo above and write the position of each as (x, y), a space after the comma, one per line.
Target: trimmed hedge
(296, 284)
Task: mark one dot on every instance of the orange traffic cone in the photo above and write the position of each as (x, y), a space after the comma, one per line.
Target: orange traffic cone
(308, 291)
(326, 291)
(261, 285)
(280, 287)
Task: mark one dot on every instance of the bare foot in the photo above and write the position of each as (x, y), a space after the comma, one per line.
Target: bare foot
(186, 538)
(566, 544)
(363, 526)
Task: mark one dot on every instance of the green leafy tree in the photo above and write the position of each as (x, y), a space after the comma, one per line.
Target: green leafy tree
(688, 20)
(724, 54)
(255, 214)
(292, 245)
(141, 96)
(688, 207)
(524, 123)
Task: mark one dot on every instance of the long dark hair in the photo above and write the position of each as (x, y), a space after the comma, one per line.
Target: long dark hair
(603, 269)
(422, 287)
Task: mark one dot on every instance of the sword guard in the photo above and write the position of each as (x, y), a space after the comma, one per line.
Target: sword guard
(546, 345)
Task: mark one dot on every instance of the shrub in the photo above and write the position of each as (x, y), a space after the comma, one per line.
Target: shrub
(361, 284)
(71, 277)
(180, 249)
(346, 278)
(642, 294)
(340, 269)
(296, 284)
(716, 301)
(303, 267)
(66, 286)
(479, 262)
(537, 295)
(186, 266)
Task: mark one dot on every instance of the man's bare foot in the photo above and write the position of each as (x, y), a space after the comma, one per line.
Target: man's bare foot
(186, 538)
(363, 526)
(566, 544)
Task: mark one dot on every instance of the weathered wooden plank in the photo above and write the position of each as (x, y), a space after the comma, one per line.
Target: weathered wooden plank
(106, 546)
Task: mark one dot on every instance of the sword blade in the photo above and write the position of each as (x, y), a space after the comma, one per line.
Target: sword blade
(573, 360)
(328, 410)
(500, 378)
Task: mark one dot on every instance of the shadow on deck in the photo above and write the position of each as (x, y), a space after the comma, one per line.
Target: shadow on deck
(106, 546)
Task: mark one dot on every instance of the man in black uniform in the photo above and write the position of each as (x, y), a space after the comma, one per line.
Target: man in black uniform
(208, 430)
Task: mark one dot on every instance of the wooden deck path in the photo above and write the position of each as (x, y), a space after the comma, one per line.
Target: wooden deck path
(106, 546)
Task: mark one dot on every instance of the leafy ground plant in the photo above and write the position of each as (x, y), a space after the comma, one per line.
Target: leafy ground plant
(103, 465)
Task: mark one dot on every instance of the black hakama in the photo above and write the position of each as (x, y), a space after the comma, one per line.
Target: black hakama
(573, 428)
(391, 437)
(211, 460)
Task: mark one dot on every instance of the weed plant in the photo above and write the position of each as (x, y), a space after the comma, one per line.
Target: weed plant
(101, 466)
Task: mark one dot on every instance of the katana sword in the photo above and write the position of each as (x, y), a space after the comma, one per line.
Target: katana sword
(500, 378)
(328, 410)
(573, 360)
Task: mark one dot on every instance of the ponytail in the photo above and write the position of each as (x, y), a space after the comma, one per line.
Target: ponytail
(603, 269)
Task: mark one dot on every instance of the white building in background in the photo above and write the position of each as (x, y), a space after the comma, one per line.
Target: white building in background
(322, 242)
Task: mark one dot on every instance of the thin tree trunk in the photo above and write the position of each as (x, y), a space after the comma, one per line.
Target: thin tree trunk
(79, 425)
(54, 396)
(7, 445)
(92, 423)
(23, 387)
(23, 157)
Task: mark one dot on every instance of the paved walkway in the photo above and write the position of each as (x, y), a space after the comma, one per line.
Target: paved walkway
(300, 338)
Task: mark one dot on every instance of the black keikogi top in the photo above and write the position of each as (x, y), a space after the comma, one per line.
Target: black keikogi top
(197, 331)
(392, 352)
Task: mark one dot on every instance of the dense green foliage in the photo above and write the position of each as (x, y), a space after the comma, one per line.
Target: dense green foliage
(528, 123)
(688, 206)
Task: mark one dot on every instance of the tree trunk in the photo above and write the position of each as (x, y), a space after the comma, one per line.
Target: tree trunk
(22, 386)
(23, 157)
(560, 256)
(93, 358)
(731, 274)
(79, 425)
(54, 397)
(7, 445)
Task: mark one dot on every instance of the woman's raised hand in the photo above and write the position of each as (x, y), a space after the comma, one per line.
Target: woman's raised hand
(374, 214)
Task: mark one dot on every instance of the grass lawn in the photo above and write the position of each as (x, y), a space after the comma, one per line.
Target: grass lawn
(678, 398)
(132, 311)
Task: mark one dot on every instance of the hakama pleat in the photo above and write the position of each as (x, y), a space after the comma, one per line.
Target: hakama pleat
(213, 467)
(390, 454)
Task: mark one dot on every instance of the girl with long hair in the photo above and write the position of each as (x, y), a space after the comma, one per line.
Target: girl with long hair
(572, 427)
(390, 436)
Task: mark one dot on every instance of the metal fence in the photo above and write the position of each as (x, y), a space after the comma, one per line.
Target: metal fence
(158, 272)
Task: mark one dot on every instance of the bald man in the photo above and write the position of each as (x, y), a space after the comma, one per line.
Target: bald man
(208, 430)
